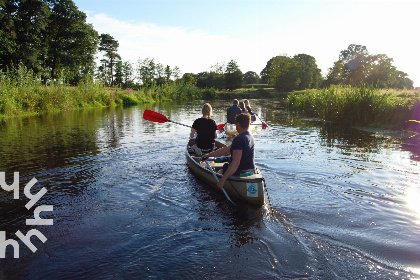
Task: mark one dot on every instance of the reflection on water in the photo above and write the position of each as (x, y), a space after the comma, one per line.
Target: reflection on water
(343, 203)
(412, 199)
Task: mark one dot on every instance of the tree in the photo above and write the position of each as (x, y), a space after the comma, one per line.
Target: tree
(176, 73)
(189, 79)
(72, 42)
(49, 37)
(283, 74)
(266, 71)
(22, 27)
(356, 66)
(233, 76)
(250, 77)
(146, 71)
(335, 74)
(8, 46)
(109, 45)
(308, 72)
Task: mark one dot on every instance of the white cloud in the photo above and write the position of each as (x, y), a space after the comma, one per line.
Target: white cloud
(190, 50)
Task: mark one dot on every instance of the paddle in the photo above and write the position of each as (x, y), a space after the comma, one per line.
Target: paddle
(264, 125)
(217, 180)
(157, 117)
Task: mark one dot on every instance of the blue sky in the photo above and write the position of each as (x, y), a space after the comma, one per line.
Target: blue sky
(196, 34)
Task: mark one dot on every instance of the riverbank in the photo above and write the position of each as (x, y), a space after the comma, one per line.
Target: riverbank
(364, 105)
(22, 94)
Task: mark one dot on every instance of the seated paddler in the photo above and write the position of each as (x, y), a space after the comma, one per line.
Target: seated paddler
(241, 150)
(206, 128)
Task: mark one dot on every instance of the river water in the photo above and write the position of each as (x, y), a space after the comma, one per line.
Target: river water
(342, 203)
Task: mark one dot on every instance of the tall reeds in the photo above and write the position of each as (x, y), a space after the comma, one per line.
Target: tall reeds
(361, 105)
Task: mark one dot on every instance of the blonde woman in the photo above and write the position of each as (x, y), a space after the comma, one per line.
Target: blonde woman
(206, 129)
(242, 106)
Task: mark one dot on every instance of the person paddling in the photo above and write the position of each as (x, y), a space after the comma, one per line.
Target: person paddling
(232, 111)
(249, 109)
(241, 150)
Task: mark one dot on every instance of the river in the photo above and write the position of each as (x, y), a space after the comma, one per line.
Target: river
(343, 203)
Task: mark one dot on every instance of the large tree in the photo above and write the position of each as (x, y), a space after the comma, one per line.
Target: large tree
(109, 45)
(292, 73)
(22, 37)
(49, 37)
(72, 42)
(282, 73)
(356, 66)
(233, 76)
(250, 77)
(308, 72)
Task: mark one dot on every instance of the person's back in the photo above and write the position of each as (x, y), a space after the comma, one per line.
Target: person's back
(245, 143)
(233, 111)
(205, 128)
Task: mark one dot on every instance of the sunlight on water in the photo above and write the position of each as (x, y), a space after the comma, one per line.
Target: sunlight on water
(412, 199)
(416, 271)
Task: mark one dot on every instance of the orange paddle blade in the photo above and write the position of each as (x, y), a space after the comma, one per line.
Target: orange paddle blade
(154, 116)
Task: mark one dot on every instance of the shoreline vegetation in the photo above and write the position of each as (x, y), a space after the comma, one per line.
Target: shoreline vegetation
(22, 94)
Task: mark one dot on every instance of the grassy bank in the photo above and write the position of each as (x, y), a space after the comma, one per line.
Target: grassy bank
(22, 93)
(364, 105)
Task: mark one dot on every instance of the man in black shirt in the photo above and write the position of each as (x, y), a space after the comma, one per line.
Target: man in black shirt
(233, 111)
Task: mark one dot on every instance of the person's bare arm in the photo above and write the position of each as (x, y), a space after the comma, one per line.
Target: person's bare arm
(218, 153)
(192, 133)
(233, 166)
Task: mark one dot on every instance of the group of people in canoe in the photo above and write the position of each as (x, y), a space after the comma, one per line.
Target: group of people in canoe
(242, 147)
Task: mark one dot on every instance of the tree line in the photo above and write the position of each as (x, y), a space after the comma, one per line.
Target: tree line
(52, 39)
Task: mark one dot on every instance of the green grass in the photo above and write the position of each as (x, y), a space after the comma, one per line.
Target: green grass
(22, 93)
(364, 105)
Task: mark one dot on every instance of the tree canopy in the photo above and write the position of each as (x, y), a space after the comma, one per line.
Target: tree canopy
(355, 66)
(292, 73)
(50, 37)
(251, 77)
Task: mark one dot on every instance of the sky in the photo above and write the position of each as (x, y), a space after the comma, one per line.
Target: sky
(197, 34)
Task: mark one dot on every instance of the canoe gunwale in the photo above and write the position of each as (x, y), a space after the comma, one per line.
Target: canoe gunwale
(235, 186)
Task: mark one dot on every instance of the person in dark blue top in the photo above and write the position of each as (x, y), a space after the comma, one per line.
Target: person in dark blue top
(242, 151)
(233, 111)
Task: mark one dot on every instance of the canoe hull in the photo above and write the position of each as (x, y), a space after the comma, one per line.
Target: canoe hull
(249, 189)
(231, 129)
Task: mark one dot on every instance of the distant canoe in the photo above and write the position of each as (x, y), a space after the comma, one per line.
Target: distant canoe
(249, 189)
(231, 128)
